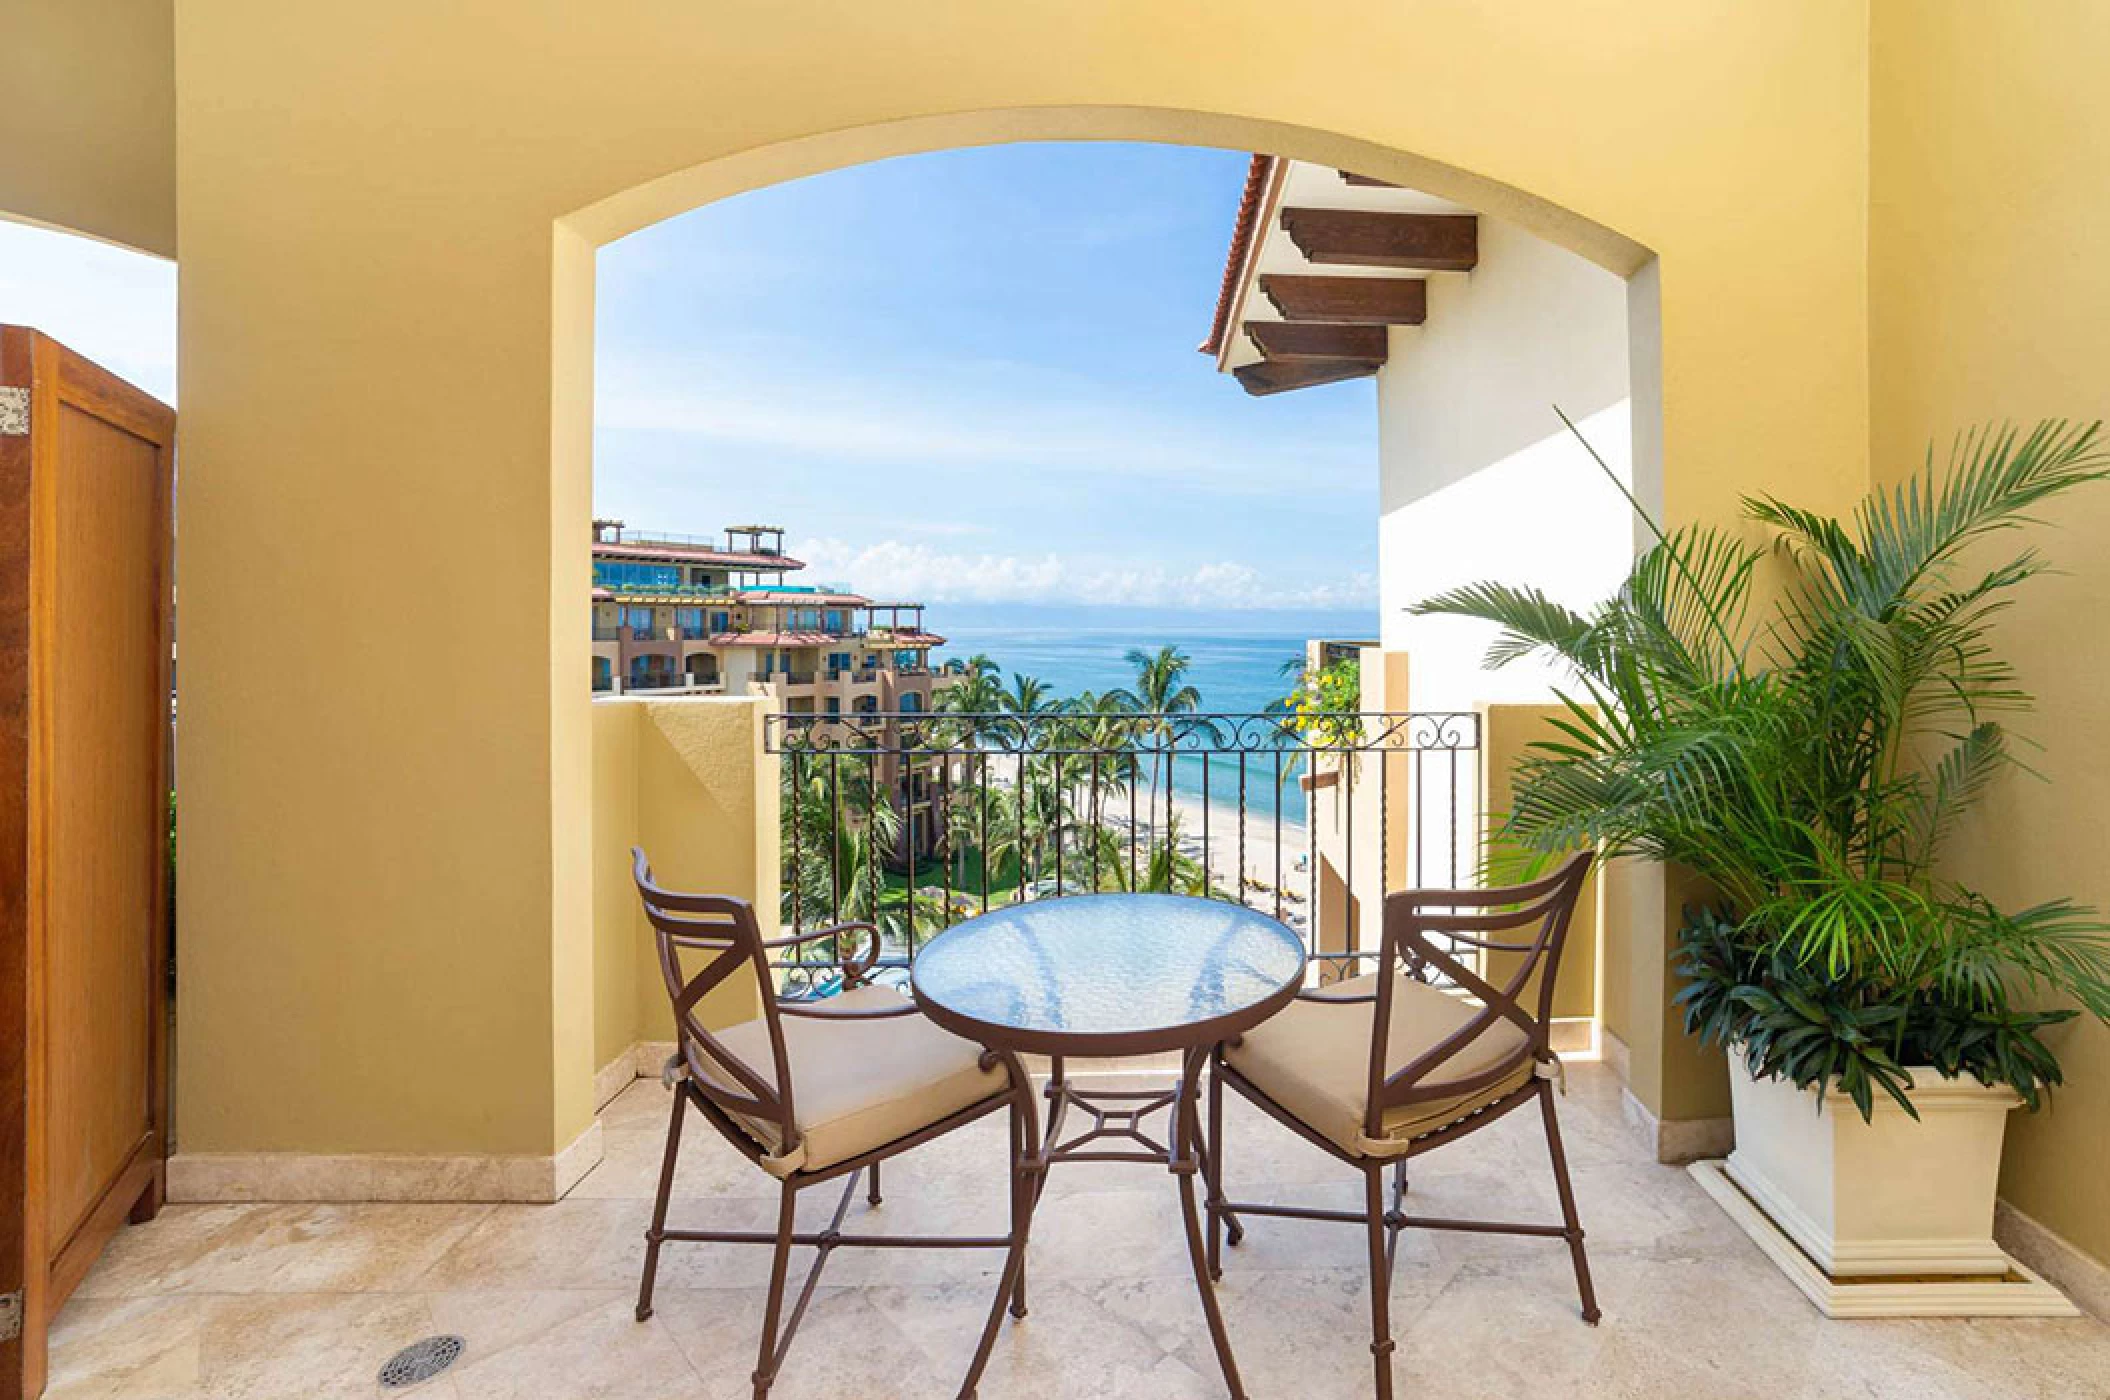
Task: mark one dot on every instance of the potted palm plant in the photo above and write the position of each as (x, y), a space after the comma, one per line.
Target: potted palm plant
(1806, 743)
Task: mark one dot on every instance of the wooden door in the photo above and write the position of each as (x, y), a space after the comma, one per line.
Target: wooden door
(85, 670)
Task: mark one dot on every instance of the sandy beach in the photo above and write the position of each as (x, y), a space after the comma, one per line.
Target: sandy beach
(1258, 880)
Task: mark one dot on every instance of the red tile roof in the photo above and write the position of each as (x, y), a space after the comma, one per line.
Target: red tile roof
(1256, 177)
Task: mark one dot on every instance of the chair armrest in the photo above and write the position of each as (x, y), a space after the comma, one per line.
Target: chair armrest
(1420, 940)
(816, 1011)
(1321, 997)
(856, 971)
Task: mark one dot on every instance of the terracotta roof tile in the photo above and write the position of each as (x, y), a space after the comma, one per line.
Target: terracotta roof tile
(1256, 177)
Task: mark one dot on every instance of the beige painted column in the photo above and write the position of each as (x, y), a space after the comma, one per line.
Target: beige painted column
(689, 782)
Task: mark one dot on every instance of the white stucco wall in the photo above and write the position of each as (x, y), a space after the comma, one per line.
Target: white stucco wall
(1480, 480)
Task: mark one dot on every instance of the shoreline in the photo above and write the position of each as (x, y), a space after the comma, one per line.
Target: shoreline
(1256, 884)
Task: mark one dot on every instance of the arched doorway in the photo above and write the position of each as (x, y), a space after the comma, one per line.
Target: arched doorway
(698, 187)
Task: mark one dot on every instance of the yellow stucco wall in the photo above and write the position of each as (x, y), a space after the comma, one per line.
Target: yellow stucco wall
(620, 954)
(1990, 298)
(387, 218)
(1506, 733)
(88, 118)
(686, 780)
(707, 816)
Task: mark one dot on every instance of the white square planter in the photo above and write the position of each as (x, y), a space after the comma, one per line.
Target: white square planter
(1884, 1198)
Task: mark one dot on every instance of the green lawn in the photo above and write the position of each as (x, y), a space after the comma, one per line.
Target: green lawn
(966, 877)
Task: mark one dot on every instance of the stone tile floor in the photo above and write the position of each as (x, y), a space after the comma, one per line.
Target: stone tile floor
(282, 1301)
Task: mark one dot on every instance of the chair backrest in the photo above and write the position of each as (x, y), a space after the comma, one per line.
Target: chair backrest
(1538, 914)
(724, 932)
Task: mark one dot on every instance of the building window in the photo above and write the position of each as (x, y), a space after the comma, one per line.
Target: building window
(911, 703)
(835, 706)
(838, 661)
(835, 621)
(621, 573)
(639, 621)
(691, 620)
(721, 622)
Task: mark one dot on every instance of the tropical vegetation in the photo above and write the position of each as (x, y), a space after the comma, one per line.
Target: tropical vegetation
(1016, 803)
(1322, 707)
(1807, 741)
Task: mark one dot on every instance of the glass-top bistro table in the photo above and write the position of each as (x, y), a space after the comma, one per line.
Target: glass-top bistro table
(1101, 975)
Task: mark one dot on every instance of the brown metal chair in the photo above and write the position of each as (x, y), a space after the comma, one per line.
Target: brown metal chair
(1384, 1067)
(816, 1090)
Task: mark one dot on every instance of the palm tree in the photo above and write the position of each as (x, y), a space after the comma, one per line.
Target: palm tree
(1029, 695)
(1161, 691)
(979, 691)
(1808, 753)
(1168, 870)
(840, 822)
(1102, 729)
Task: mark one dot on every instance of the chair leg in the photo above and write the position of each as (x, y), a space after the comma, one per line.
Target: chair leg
(872, 1198)
(1380, 1279)
(1025, 1194)
(655, 1236)
(779, 1267)
(1214, 1162)
(1399, 1199)
(1022, 1186)
(1569, 1218)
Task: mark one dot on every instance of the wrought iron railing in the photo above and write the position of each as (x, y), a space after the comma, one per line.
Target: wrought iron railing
(913, 821)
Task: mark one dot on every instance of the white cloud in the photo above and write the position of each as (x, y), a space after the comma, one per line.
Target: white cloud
(978, 415)
(898, 569)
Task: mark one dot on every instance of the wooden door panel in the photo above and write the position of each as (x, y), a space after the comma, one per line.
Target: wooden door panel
(85, 597)
(102, 864)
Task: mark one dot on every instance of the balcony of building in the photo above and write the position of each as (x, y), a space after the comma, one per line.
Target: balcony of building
(312, 1294)
(416, 1035)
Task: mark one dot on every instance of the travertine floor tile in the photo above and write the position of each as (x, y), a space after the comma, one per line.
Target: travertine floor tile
(284, 1301)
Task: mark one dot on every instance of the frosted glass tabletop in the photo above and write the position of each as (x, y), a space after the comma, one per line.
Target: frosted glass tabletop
(1108, 974)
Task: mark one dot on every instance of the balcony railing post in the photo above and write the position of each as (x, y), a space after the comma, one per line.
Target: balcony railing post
(916, 770)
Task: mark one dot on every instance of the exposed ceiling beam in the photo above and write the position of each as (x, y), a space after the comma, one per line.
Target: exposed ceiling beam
(1368, 238)
(1362, 301)
(1367, 181)
(1295, 340)
(1280, 376)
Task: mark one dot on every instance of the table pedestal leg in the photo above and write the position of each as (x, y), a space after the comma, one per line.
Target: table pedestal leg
(1186, 1165)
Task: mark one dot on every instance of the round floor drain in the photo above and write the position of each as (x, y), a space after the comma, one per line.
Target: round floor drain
(420, 1361)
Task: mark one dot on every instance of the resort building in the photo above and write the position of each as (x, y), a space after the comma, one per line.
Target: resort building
(714, 616)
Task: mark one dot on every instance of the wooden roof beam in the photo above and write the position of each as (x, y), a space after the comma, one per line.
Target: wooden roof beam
(1357, 301)
(1280, 376)
(1369, 238)
(1294, 340)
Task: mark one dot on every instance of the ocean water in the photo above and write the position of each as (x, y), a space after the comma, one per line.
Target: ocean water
(1236, 673)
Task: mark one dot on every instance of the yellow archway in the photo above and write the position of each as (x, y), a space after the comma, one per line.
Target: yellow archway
(386, 227)
(582, 233)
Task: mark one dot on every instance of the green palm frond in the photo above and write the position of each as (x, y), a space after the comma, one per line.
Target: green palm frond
(1809, 761)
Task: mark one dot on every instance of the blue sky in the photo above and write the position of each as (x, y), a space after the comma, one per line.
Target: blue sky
(115, 306)
(968, 377)
(971, 377)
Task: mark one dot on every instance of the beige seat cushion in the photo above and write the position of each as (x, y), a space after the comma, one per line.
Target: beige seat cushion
(1313, 1059)
(860, 1084)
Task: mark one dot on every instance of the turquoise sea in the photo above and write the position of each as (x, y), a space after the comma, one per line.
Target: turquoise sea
(1236, 673)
